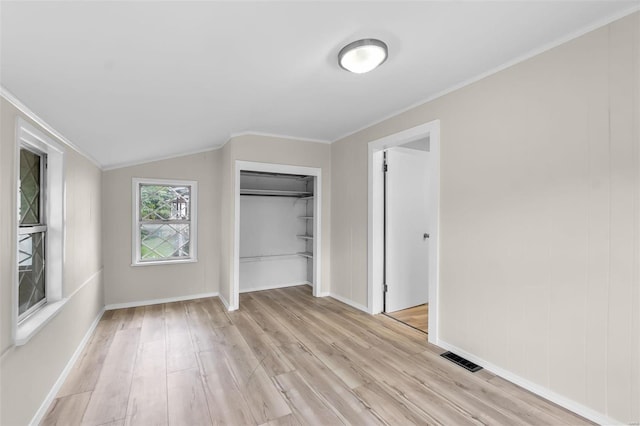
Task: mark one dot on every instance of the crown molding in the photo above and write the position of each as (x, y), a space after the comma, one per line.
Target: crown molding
(13, 100)
(532, 53)
(160, 158)
(274, 135)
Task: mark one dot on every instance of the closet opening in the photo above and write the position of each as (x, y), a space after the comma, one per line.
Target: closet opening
(277, 227)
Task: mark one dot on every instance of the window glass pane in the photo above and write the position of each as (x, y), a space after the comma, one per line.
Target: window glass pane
(160, 241)
(29, 187)
(164, 202)
(31, 286)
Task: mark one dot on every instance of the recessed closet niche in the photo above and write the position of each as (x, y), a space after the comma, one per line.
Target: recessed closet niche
(276, 230)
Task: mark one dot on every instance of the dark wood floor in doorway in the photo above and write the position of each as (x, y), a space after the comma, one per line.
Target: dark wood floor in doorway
(416, 317)
(284, 358)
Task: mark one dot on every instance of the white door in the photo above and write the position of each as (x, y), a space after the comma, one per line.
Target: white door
(406, 240)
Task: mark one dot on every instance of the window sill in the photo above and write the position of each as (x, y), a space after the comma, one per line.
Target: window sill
(165, 262)
(30, 326)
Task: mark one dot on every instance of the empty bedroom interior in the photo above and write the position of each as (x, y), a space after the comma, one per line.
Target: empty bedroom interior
(207, 252)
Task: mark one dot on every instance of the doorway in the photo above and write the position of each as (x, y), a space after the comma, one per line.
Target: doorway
(407, 233)
(409, 139)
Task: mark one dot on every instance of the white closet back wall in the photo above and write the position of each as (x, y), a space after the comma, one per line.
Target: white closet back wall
(272, 230)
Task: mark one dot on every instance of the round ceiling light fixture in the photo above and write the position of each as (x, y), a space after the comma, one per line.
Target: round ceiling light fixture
(362, 55)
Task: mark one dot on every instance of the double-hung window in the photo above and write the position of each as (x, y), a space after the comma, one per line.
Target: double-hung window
(32, 233)
(39, 239)
(164, 229)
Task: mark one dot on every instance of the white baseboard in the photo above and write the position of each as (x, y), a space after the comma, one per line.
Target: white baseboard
(249, 290)
(225, 302)
(135, 304)
(349, 302)
(37, 418)
(546, 393)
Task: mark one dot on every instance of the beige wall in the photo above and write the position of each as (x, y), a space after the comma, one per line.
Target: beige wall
(28, 372)
(540, 215)
(128, 284)
(266, 149)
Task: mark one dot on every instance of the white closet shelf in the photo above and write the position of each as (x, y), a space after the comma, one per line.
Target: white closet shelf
(305, 217)
(308, 197)
(267, 256)
(306, 254)
(305, 237)
(273, 192)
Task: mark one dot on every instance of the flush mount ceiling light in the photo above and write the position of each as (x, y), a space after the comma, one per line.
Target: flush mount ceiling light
(363, 55)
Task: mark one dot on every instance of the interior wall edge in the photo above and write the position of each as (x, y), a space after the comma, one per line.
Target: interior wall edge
(522, 58)
(28, 112)
(161, 158)
(136, 304)
(535, 388)
(349, 302)
(37, 418)
(28, 400)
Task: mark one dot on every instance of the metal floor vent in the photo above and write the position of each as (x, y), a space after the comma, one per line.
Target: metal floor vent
(464, 363)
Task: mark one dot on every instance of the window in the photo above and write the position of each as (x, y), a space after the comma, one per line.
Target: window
(39, 242)
(32, 233)
(164, 221)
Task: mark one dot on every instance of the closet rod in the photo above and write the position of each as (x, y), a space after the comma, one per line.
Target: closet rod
(272, 174)
(273, 192)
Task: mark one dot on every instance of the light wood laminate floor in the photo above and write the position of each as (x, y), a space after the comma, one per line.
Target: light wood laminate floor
(285, 358)
(416, 317)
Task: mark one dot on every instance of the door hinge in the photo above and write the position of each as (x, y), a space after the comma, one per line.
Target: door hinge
(385, 167)
(385, 288)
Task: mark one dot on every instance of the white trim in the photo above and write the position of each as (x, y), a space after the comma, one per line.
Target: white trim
(160, 158)
(138, 303)
(86, 282)
(532, 53)
(10, 97)
(209, 149)
(225, 302)
(275, 135)
(348, 302)
(273, 287)
(31, 326)
(37, 321)
(537, 389)
(193, 221)
(37, 418)
(53, 200)
(165, 262)
(374, 240)
(317, 223)
(69, 297)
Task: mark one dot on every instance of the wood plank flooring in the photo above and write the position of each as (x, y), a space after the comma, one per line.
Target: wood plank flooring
(285, 358)
(416, 317)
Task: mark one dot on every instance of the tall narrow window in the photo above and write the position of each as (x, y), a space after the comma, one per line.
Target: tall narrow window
(32, 233)
(165, 226)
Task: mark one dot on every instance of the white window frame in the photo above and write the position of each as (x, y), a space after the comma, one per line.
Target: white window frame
(40, 227)
(29, 137)
(193, 223)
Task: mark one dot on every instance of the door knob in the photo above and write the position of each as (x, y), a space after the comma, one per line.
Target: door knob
(425, 235)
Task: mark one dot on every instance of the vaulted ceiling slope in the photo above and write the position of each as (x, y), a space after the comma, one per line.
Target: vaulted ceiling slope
(134, 81)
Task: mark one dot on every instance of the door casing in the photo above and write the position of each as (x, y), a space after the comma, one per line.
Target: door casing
(375, 244)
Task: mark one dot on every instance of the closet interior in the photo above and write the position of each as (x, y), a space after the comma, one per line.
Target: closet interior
(276, 230)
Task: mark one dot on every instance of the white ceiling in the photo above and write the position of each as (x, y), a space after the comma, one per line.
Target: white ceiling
(134, 81)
